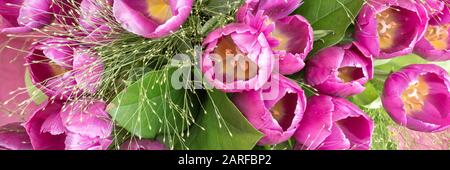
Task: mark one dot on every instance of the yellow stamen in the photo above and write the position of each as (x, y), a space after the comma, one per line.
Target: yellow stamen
(159, 10)
(278, 111)
(348, 74)
(57, 70)
(387, 28)
(241, 67)
(282, 38)
(413, 97)
(437, 36)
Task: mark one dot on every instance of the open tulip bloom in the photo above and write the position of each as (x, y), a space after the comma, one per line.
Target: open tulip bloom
(80, 126)
(340, 71)
(390, 28)
(63, 71)
(25, 15)
(224, 74)
(291, 37)
(416, 97)
(275, 111)
(237, 57)
(434, 46)
(333, 124)
(152, 18)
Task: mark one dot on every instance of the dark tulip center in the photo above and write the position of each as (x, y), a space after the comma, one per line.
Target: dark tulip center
(232, 63)
(159, 10)
(284, 110)
(349, 74)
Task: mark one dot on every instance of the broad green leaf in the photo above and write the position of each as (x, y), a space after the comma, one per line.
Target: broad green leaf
(333, 15)
(367, 97)
(150, 106)
(222, 127)
(35, 94)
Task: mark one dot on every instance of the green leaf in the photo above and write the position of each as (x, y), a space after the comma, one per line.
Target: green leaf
(35, 94)
(217, 7)
(333, 15)
(222, 127)
(150, 106)
(367, 97)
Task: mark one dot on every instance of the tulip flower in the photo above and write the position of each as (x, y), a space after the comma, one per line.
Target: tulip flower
(25, 15)
(434, 45)
(94, 20)
(152, 18)
(275, 112)
(12, 71)
(333, 124)
(236, 58)
(340, 71)
(416, 97)
(134, 144)
(433, 6)
(14, 137)
(62, 70)
(390, 28)
(291, 37)
(72, 126)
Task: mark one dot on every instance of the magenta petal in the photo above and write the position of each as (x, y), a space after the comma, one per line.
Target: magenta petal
(40, 138)
(14, 137)
(135, 144)
(249, 46)
(134, 17)
(333, 123)
(88, 69)
(426, 113)
(434, 46)
(87, 119)
(335, 141)
(80, 142)
(50, 66)
(276, 111)
(340, 71)
(33, 14)
(299, 42)
(316, 124)
(411, 16)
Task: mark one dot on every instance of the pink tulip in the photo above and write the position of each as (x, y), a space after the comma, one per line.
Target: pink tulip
(291, 37)
(333, 124)
(152, 18)
(275, 112)
(416, 97)
(237, 58)
(390, 28)
(341, 70)
(83, 125)
(434, 46)
(14, 137)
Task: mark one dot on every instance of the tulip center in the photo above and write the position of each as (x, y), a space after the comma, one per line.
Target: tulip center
(413, 97)
(57, 69)
(437, 36)
(387, 27)
(232, 63)
(284, 110)
(349, 74)
(159, 10)
(282, 39)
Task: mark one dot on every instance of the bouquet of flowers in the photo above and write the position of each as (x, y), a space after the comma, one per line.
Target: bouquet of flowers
(224, 74)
